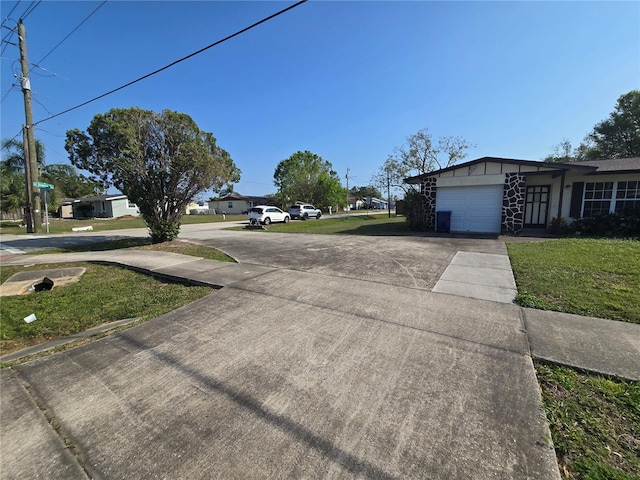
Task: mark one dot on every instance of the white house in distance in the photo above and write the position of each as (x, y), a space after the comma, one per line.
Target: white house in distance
(104, 206)
(237, 204)
(496, 195)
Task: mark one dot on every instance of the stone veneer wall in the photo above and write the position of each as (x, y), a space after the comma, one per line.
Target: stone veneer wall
(513, 203)
(428, 190)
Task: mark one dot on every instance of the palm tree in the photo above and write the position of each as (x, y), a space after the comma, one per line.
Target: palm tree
(13, 196)
(15, 157)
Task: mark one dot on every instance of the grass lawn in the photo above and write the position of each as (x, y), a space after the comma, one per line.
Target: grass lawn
(99, 225)
(594, 422)
(353, 225)
(594, 277)
(122, 293)
(103, 294)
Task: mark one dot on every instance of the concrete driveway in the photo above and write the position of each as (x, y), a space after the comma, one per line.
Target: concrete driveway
(331, 358)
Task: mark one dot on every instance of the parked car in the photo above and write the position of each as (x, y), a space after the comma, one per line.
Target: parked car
(266, 214)
(304, 211)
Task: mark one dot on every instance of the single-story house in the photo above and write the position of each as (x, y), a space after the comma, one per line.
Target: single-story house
(198, 208)
(355, 203)
(237, 204)
(65, 210)
(508, 195)
(104, 206)
(376, 203)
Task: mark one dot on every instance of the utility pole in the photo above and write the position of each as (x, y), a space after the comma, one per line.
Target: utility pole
(30, 158)
(28, 218)
(388, 192)
(347, 177)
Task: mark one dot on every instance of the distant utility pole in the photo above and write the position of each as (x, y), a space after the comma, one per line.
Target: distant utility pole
(347, 177)
(388, 192)
(30, 156)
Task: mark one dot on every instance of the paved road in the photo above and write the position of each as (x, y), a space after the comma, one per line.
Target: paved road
(323, 357)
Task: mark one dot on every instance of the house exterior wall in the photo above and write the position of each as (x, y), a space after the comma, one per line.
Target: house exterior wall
(121, 208)
(571, 179)
(230, 207)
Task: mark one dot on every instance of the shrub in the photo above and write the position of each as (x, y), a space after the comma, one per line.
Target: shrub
(613, 225)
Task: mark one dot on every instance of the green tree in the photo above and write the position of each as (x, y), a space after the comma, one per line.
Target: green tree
(360, 193)
(619, 135)
(616, 137)
(160, 161)
(14, 156)
(13, 195)
(69, 182)
(305, 176)
(12, 190)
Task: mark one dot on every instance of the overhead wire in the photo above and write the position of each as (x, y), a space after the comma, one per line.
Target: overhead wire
(229, 37)
(9, 14)
(70, 33)
(29, 9)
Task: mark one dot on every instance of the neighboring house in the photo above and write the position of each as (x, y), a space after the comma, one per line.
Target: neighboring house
(507, 195)
(355, 203)
(65, 210)
(238, 204)
(376, 203)
(200, 207)
(104, 206)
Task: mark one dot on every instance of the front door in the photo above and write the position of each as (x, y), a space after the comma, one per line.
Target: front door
(536, 206)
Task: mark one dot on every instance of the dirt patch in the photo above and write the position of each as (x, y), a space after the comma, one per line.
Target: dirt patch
(22, 283)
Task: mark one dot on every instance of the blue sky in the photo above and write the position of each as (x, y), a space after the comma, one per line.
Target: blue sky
(347, 80)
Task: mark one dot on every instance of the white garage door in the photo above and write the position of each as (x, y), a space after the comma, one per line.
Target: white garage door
(473, 209)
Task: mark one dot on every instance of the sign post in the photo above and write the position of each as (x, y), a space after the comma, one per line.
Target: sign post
(45, 187)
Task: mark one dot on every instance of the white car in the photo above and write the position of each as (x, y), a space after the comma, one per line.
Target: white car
(266, 214)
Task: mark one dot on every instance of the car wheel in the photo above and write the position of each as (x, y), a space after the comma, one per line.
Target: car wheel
(305, 216)
(267, 221)
(318, 216)
(286, 219)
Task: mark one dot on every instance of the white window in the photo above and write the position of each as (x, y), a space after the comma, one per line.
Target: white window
(627, 196)
(609, 197)
(130, 204)
(229, 204)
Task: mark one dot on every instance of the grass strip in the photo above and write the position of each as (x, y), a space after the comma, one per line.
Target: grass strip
(103, 294)
(594, 422)
(372, 225)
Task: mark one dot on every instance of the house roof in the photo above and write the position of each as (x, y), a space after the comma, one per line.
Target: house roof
(618, 165)
(100, 198)
(615, 165)
(227, 198)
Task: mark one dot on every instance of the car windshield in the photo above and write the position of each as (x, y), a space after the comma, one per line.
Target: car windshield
(255, 210)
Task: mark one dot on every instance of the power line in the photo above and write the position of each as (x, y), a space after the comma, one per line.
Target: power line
(9, 14)
(229, 37)
(29, 9)
(71, 33)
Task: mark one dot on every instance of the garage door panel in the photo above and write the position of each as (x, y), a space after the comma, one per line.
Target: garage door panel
(473, 208)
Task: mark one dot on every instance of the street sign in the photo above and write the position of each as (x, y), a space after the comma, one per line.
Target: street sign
(46, 186)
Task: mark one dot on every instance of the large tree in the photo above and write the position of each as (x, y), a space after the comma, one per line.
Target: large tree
(619, 135)
(305, 176)
(160, 161)
(420, 154)
(616, 137)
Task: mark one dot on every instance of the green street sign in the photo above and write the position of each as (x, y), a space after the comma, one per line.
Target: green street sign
(46, 186)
